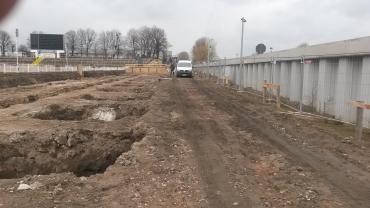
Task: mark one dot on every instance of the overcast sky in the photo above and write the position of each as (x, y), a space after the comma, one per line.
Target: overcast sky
(280, 24)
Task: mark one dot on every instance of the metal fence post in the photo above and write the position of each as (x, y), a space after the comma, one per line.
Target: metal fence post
(301, 86)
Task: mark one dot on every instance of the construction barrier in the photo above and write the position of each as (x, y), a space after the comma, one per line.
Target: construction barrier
(147, 69)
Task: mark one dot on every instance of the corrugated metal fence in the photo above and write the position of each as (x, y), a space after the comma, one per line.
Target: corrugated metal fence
(325, 84)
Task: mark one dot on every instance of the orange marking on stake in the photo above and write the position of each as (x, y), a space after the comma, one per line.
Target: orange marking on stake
(361, 105)
(271, 86)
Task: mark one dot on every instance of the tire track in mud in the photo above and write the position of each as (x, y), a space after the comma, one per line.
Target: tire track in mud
(353, 191)
(202, 133)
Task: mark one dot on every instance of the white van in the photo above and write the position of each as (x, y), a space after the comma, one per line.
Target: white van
(184, 69)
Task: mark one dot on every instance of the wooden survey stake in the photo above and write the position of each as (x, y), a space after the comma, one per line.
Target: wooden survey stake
(272, 86)
(361, 106)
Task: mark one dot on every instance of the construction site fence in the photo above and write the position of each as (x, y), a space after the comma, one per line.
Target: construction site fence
(30, 68)
(74, 61)
(325, 86)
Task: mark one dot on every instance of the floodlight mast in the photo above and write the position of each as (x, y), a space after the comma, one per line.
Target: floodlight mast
(16, 46)
(241, 54)
(66, 54)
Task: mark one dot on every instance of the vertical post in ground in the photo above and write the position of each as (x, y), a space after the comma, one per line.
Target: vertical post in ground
(241, 54)
(264, 91)
(301, 86)
(359, 122)
(278, 101)
(16, 46)
(209, 73)
(4, 69)
(80, 72)
(217, 76)
(224, 73)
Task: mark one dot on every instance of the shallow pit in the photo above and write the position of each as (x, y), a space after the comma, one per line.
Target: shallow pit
(109, 89)
(58, 112)
(105, 113)
(88, 97)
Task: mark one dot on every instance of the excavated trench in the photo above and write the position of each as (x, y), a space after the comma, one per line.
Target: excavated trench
(63, 113)
(91, 112)
(144, 96)
(84, 150)
(80, 151)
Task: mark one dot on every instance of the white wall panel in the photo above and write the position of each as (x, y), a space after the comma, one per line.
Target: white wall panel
(310, 83)
(261, 76)
(295, 82)
(326, 88)
(285, 78)
(365, 88)
(255, 76)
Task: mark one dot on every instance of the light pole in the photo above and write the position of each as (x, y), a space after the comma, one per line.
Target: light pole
(272, 73)
(16, 46)
(66, 53)
(241, 54)
(209, 47)
(273, 63)
(301, 87)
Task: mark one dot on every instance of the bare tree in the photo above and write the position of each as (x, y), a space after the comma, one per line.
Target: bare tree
(104, 42)
(71, 39)
(159, 41)
(150, 42)
(183, 56)
(145, 41)
(132, 40)
(95, 46)
(117, 42)
(81, 40)
(202, 48)
(12, 47)
(90, 39)
(23, 49)
(86, 39)
(5, 42)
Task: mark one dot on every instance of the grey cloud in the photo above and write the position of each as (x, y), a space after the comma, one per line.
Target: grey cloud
(277, 23)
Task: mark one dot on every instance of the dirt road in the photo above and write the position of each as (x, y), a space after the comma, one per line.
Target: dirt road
(131, 141)
(230, 132)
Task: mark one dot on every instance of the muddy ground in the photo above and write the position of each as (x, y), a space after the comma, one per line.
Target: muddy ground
(23, 79)
(132, 141)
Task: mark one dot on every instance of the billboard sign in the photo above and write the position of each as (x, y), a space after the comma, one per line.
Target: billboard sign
(47, 42)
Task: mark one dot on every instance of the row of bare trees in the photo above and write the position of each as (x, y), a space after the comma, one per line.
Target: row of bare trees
(7, 44)
(88, 41)
(148, 42)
